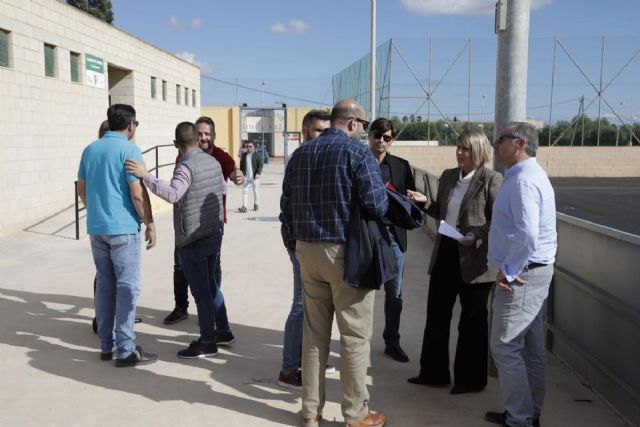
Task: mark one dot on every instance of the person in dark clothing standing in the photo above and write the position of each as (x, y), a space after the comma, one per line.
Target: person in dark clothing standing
(197, 186)
(397, 172)
(206, 134)
(459, 268)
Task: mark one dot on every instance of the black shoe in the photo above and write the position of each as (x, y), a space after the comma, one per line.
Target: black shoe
(198, 350)
(461, 389)
(255, 207)
(292, 381)
(178, 314)
(137, 357)
(501, 418)
(423, 381)
(396, 352)
(106, 356)
(224, 338)
(138, 320)
(242, 209)
(496, 417)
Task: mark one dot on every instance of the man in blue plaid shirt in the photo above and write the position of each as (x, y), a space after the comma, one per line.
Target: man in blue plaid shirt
(323, 178)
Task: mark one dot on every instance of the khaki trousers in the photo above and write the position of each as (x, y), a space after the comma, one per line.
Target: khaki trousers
(325, 293)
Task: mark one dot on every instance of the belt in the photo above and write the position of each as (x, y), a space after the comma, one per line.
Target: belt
(533, 265)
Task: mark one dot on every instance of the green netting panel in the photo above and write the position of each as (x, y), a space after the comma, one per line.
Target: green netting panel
(49, 60)
(4, 48)
(353, 81)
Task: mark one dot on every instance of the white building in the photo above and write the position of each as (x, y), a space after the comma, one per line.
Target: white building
(60, 69)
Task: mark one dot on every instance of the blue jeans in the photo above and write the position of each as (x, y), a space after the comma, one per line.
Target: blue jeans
(180, 288)
(393, 297)
(517, 345)
(198, 261)
(292, 348)
(117, 260)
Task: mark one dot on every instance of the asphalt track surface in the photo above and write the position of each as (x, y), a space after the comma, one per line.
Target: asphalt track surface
(613, 202)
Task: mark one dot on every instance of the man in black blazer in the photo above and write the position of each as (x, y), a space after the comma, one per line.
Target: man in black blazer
(397, 172)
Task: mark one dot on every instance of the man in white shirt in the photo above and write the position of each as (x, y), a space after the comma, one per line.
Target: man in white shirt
(522, 247)
(251, 167)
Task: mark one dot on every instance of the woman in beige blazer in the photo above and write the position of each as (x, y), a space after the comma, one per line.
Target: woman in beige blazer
(459, 268)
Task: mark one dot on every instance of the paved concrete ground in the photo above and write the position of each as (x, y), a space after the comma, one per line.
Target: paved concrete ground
(614, 202)
(51, 373)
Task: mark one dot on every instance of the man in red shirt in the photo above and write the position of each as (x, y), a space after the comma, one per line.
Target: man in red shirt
(206, 132)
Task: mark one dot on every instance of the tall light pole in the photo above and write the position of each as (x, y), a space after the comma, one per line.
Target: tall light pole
(484, 97)
(631, 108)
(512, 27)
(263, 84)
(618, 131)
(372, 87)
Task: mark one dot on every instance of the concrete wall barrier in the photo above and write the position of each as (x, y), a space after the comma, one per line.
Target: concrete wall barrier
(593, 311)
(589, 162)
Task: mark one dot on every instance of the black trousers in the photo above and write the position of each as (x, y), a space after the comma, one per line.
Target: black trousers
(446, 284)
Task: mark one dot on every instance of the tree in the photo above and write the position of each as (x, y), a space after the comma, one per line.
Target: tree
(101, 9)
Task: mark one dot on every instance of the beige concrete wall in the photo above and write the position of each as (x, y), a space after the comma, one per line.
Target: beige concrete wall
(47, 121)
(557, 161)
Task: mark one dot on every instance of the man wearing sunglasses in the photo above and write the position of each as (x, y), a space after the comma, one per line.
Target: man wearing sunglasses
(397, 172)
(522, 247)
(323, 178)
(116, 202)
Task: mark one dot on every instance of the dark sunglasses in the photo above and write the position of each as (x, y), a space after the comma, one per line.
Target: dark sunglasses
(508, 136)
(365, 124)
(378, 135)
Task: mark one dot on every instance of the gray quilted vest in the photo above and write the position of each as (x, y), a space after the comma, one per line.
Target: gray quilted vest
(199, 213)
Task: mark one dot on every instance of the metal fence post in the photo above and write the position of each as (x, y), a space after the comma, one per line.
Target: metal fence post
(75, 199)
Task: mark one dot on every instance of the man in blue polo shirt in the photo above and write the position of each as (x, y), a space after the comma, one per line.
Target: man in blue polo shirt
(116, 202)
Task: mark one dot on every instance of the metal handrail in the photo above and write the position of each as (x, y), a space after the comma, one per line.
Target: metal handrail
(156, 168)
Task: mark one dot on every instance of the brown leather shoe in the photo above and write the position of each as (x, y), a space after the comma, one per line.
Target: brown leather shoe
(373, 419)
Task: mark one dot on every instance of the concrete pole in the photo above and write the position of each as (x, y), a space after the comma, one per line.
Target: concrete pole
(511, 67)
(372, 89)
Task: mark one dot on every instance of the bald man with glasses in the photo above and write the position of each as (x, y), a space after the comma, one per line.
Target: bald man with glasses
(324, 177)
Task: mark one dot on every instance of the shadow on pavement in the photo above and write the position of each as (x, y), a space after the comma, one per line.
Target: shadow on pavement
(60, 341)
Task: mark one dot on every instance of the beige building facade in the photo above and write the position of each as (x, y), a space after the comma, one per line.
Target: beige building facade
(232, 127)
(60, 69)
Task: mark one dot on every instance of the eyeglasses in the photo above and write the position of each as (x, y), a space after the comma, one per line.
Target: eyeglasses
(135, 122)
(378, 135)
(365, 124)
(508, 136)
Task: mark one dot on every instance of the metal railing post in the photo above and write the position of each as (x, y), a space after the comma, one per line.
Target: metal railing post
(157, 162)
(75, 186)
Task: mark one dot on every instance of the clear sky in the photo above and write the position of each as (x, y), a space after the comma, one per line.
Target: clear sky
(295, 46)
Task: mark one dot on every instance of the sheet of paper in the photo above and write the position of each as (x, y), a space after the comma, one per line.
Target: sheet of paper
(447, 230)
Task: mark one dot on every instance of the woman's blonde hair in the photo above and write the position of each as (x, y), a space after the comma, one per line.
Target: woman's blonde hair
(477, 142)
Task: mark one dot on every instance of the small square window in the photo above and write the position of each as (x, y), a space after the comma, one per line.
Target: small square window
(50, 60)
(74, 66)
(178, 93)
(5, 48)
(164, 90)
(153, 88)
